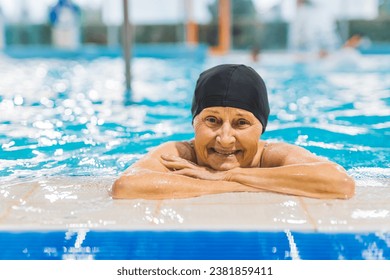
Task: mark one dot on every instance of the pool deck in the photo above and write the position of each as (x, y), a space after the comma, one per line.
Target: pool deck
(72, 203)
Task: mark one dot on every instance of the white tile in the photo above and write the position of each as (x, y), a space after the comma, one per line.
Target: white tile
(245, 211)
(85, 202)
(17, 191)
(368, 210)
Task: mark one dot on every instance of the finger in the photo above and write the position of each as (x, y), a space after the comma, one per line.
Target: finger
(174, 164)
(171, 158)
(167, 159)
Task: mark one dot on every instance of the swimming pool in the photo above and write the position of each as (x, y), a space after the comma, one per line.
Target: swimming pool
(66, 127)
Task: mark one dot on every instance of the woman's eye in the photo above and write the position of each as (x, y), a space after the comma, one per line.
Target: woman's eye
(211, 120)
(243, 122)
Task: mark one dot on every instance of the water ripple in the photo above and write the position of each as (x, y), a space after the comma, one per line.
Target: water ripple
(71, 117)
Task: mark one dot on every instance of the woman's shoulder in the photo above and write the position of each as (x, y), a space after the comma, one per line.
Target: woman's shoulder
(187, 150)
(279, 154)
(275, 145)
(273, 153)
(183, 149)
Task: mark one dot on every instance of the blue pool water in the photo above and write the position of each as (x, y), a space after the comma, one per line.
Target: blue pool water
(70, 117)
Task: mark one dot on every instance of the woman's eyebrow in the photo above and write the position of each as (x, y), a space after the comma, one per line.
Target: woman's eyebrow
(242, 115)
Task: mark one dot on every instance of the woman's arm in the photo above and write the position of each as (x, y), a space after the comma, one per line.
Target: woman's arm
(317, 180)
(285, 169)
(147, 184)
(149, 178)
(169, 172)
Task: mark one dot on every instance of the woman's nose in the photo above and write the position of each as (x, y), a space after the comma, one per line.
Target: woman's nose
(226, 135)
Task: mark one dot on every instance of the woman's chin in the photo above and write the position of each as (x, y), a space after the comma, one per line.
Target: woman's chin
(224, 166)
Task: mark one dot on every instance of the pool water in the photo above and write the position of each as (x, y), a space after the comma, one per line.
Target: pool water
(71, 117)
(68, 117)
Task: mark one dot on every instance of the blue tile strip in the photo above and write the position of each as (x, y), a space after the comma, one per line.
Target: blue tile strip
(192, 245)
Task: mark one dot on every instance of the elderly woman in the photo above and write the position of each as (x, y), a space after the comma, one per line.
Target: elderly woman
(230, 112)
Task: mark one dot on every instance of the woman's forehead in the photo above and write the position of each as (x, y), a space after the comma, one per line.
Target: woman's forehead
(231, 110)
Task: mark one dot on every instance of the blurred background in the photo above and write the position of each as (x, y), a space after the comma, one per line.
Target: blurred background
(252, 24)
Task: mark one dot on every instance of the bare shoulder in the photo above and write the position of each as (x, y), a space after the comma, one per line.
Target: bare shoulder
(280, 154)
(151, 160)
(181, 149)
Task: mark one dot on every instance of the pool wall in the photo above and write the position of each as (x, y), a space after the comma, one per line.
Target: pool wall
(163, 51)
(191, 245)
(75, 218)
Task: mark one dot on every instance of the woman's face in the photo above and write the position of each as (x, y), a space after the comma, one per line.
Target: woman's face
(226, 138)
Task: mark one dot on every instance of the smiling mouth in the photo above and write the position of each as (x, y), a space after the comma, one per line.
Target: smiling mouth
(225, 153)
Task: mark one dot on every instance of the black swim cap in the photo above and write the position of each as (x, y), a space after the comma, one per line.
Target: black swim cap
(232, 85)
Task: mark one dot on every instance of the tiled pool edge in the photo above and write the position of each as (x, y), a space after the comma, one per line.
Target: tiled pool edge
(73, 203)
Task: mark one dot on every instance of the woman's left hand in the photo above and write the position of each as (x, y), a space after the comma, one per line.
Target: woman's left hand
(184, 167)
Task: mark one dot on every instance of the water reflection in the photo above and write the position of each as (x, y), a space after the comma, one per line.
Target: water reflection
(77, 251)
